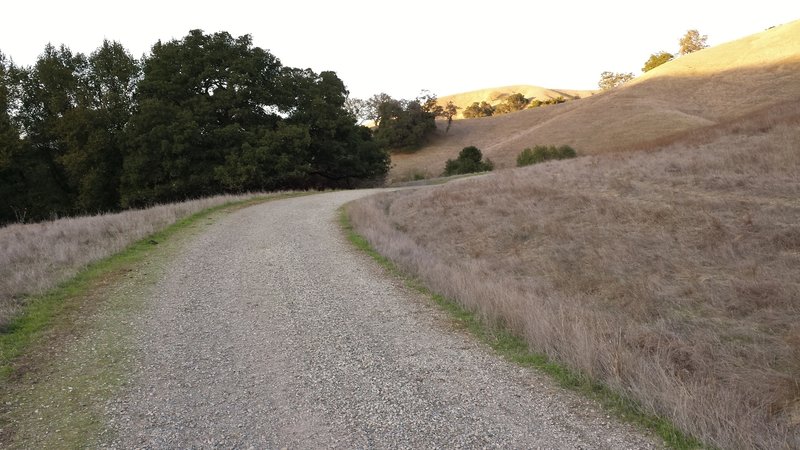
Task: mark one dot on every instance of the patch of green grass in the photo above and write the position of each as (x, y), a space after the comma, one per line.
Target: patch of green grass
(515, 349)
(71, 349)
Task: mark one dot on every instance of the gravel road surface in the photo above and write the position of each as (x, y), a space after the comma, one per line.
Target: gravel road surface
(270, 331)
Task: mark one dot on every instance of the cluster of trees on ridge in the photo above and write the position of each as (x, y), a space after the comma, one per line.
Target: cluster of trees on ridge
(511, 103)
(201, 115)
(691, 42)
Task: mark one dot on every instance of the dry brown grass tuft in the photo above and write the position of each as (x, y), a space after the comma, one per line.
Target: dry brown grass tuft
(36, 257)
(704, 89)
(671, 275)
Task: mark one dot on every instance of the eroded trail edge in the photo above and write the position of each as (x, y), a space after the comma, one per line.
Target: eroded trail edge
(270, 330)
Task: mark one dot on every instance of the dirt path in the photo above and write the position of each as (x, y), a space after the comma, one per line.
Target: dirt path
(270, 331)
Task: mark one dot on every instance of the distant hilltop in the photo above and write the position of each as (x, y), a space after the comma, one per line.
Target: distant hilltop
(494, 96)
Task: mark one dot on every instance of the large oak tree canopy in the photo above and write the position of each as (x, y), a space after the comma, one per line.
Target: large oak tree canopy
(201, 115)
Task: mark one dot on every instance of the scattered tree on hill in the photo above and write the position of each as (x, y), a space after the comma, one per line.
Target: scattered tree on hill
(430, 103)
(470, 160)
(610, 80)
(541, 153)
(512, 103)
(448, 112)
(476, 109)
(691, 42)
(657, 59)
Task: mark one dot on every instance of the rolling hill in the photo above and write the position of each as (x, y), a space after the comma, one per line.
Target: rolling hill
(495, 96)
(704, 89)
(670, 275)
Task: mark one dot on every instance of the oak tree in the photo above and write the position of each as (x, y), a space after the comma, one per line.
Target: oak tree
(691, 42)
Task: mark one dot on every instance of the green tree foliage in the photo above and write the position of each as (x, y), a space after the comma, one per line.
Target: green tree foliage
(375, 107)
(691, 42)
(201, 99)
(358, 108)
(610, 80)
(338, 150)
(448, 112)
(657, 59)
(14, 174)
(72, 111)
(50, 93)
(470, 160)
(403, 124)
(534, 103)
(430, 104)
(541, 153)
(201, 115)
(237, 120)
(93, 131)
(512, 103)
(476, 109)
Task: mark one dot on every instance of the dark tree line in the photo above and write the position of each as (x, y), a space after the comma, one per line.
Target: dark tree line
(202, 115)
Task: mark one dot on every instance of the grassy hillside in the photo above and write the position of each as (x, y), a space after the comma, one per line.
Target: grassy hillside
(703, 89)
(495, 96)
(671, 275)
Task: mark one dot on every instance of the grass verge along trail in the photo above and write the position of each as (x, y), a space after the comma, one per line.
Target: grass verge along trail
(514, 348)
(67, 351)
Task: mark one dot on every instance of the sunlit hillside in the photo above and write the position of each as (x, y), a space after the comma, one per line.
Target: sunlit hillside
(495, 96)
(671, 275)
(700, 90)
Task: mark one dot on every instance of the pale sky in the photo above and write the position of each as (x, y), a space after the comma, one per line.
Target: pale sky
(403, 47)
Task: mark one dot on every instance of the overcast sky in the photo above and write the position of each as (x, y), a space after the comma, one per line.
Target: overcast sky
(402, 47)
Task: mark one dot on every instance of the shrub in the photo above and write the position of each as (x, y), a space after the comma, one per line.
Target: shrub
(541, 153)
(470, 160)
(476, 109)
(512, 103)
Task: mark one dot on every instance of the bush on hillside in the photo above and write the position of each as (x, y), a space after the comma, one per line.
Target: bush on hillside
(550, 101)
(476, 109)
(541, 153)
(512, 103)
(657, 59)
(470, 160)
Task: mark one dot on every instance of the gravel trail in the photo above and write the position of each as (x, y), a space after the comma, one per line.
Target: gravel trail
(270, 331)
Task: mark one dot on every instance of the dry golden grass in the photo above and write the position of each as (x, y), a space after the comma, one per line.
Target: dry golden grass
(703, 89)
(36, 257)
(495, 96)
(672, 275)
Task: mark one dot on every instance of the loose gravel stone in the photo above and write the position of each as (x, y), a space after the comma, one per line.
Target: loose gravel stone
(270, 331)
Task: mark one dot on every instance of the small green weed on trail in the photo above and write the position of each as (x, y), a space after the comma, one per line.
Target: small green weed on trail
(517, 351)
(70, 350)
